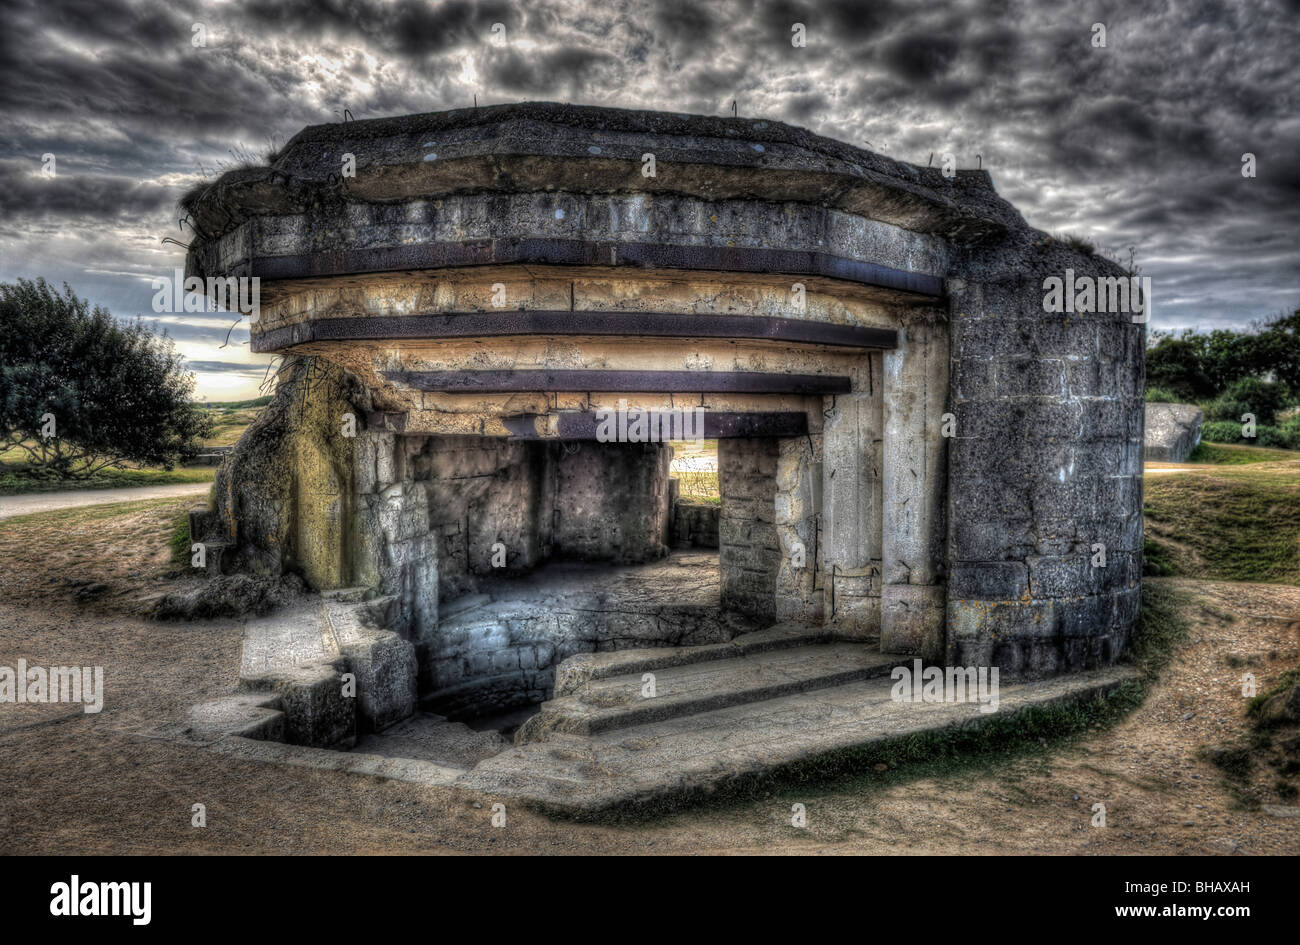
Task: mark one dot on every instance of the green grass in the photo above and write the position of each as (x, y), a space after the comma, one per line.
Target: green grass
(1284, 682)
(179, 542)
(59, 520)
(230, 424)
(237, 404)
(18, 480)
(1231, 523)
(1224, 454)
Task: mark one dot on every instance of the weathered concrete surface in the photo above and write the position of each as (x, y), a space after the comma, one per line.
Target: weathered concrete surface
(1045, 466)
(301, 655)
(1172, 432)
(673, 759)
(383, 664)
(750, 551)
(693, 756)
(602, 705)
(576, 671)
(284, 497)
(500, 651)
(694, 524)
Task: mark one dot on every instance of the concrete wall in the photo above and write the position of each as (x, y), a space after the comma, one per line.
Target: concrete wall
(1046, 465)
(694, 524)
(588, 501)
(483, 492)
(611, 501)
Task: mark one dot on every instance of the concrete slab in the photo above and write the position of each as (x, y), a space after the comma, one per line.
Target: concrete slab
(286, 640)
(677, 758)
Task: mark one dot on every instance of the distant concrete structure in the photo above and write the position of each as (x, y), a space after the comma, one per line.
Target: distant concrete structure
(1172, 431)
(913, 454)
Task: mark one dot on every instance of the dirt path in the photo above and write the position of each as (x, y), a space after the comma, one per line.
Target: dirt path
(13, 505)
(71, 782)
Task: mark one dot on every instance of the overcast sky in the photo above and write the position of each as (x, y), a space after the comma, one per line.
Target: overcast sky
(1138, 143)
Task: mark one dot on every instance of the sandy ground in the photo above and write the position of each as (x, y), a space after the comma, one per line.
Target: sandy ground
(12, 505)
(77, 783)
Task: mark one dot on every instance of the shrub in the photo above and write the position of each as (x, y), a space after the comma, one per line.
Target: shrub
(1283, 437)
(1250, 395)
(1162, 395)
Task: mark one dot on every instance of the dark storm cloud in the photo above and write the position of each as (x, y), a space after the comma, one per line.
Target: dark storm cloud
(921, 58)
(539, 74)
(1135, 144)
(24, 192)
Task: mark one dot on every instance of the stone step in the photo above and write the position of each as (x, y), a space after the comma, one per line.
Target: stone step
(618, 701)
(678, 759)
(572, 674)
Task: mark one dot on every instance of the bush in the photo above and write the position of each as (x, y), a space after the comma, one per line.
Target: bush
(1245, 395)
(1162, 395)
(1283, 437)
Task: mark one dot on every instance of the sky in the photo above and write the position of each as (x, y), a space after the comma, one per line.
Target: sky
(1137, 143)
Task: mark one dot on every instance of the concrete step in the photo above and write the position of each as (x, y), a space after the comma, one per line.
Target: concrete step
(572, 674)
(615, 702)
(428, 737)
(678, 759)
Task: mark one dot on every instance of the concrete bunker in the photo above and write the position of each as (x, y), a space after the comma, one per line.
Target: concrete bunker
(912, 454)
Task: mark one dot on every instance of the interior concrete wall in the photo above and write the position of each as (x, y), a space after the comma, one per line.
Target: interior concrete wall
(611, 501)
(587, 501)
(482, 492)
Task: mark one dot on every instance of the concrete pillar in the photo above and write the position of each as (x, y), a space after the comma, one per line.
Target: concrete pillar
(798, 518)
(914, 472)
(851, 508)
(749, 552)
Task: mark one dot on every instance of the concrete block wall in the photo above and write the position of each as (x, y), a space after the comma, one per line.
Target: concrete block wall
(482, 491)
(394, 542)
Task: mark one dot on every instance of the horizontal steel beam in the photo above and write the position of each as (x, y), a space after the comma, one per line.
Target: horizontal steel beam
(564, 322)
(694, 382)
(573, 252)
(718, 425)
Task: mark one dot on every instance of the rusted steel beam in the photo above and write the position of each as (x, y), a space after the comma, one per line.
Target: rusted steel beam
(564, 322)
(572, 252)
(732, 382)
(718, 425)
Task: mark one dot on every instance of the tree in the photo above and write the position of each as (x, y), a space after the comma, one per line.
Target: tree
(81, 391)
(1200, 366)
